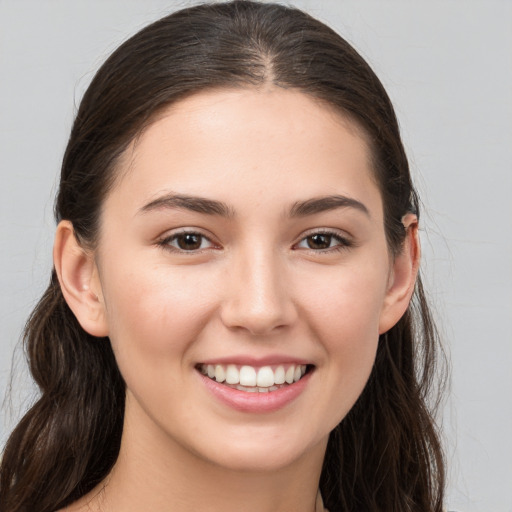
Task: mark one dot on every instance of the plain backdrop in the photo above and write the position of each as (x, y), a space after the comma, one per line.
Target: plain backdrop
(447, 66)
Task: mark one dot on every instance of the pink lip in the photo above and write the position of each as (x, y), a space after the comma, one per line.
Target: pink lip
(255, 402)
(256, 361)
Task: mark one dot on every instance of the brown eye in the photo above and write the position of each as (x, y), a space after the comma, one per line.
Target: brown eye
(324, 242)
(319, 241)
(187, 242)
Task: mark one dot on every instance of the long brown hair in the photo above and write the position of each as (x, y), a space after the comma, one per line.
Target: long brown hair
(385, 454)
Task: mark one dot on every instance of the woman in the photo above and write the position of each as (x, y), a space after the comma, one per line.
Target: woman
(229, 323)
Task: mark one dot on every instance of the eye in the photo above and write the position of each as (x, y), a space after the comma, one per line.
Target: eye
(187, 241)
(324, 241)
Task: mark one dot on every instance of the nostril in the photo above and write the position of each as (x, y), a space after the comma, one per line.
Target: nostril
(258, 321)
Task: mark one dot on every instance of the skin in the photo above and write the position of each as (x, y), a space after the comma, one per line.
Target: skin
(258, 286)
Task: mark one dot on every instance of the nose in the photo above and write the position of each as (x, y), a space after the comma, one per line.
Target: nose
(258, 294)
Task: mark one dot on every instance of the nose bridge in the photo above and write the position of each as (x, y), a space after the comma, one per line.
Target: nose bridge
(259, 299)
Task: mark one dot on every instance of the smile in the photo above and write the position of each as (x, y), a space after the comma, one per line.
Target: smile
(252, 379)
(255, 389)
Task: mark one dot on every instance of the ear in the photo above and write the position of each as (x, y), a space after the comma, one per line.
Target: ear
(402, 276)
(79, 280)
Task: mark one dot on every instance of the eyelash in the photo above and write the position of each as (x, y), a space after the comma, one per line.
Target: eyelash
(342, 242)
(165, 243)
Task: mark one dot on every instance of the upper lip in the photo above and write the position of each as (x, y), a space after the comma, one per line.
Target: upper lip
(269, 360)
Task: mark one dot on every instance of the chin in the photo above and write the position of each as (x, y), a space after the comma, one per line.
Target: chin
(261, 452)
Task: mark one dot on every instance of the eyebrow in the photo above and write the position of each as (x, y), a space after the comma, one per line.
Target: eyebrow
(186, 202)
(322, 204)
(214, 207)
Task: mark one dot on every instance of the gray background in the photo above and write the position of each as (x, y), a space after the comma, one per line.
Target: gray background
(448, 68)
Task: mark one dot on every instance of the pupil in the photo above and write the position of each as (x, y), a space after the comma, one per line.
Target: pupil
(319, 241)
(189, 242)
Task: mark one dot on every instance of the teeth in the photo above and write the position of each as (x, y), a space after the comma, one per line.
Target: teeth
(248, 389)
(265, 377)
(248, 376)
(220, 374)
(250, 379)
(232, 374)
(289, 375)
(279, 375)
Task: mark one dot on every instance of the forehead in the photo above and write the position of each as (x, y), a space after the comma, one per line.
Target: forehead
(274, 142)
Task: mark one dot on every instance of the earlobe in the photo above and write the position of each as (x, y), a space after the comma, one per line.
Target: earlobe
(79, 280)
(402, 277)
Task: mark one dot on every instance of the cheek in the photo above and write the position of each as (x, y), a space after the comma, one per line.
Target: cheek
(155, 313)
(343, 311)
(345, 302)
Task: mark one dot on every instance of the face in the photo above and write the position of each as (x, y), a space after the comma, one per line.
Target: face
(243, 245)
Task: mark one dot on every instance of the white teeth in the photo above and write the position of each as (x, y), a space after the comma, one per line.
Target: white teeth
(289, 375)
(279, 375)
(265, 377)
(251, 379)
(232, 374)
(220, 374)
(247, 376)
(248, 389)
(254, 389)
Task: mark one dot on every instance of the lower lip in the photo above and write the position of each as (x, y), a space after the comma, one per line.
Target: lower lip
(256, 402)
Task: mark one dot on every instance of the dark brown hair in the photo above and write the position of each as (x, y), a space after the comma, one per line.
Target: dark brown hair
(385, 455)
